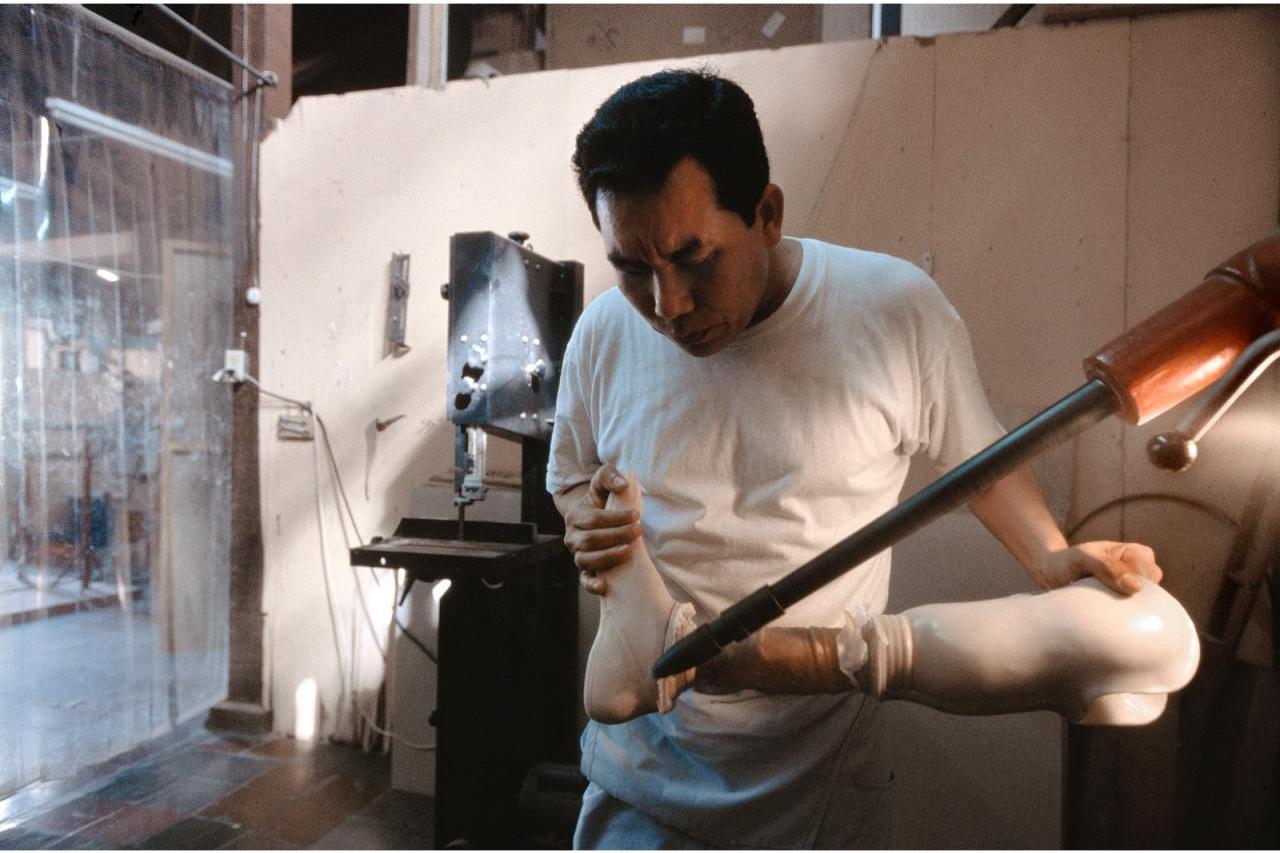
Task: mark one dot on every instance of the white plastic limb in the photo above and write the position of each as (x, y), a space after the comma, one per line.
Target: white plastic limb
(638, 620)
(1093, 655)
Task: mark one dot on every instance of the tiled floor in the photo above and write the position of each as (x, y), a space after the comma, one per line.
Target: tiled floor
(195, 789)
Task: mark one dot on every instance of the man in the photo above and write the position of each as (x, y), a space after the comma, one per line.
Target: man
(768, 393)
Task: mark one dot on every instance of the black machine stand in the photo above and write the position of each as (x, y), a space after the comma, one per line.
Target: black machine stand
(508, 629)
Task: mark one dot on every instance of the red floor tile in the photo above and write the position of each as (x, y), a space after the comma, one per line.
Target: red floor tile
(132, 823)
(75, 815)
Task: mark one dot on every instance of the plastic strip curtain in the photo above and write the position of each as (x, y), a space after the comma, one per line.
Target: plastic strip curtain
(117, 250)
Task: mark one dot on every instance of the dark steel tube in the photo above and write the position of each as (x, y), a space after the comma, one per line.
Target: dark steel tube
(1072, 414)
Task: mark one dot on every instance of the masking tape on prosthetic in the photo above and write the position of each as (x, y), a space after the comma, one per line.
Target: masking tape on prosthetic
(890, 656)
(680, 624)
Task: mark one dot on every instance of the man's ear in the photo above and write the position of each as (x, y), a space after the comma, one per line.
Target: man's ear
(769, 214)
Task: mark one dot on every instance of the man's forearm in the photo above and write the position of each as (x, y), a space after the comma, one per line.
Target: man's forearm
(570, 496)
(1015, 512)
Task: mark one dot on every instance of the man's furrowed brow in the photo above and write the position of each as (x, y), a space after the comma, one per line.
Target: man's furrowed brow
(691, 247)
(621, 261)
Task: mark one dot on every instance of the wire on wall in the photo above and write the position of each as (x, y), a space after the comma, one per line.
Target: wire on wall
(349, 515)
(1148, 497)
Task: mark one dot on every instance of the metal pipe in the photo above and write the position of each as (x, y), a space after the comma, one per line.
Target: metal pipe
(1084, 407)
(268, 78)
(1176, 449)
(66, 112)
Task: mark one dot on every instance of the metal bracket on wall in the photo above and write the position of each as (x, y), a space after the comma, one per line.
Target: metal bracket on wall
(295, 427)
(397, 303)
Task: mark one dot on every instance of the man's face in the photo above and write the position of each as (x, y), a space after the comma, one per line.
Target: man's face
(695, 271)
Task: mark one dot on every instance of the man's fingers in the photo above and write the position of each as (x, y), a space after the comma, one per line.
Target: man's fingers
(606, 479)
(599, 540)
(592, 584)
(603, 518)
(593, 562)
(1121, 566)
(1140, 559)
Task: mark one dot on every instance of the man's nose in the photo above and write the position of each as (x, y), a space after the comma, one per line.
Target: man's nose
(671, 296)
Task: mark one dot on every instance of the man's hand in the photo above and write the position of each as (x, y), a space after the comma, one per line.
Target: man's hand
(1116, 564)
(599, 539)
(1013, 508)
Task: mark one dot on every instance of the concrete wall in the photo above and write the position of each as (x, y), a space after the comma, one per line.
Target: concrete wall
(1064, 182)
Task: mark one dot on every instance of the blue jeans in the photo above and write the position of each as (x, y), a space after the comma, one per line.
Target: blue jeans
(858, 816)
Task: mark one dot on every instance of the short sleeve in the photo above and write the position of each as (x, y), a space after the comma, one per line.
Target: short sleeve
(956, 418)
(573, 457)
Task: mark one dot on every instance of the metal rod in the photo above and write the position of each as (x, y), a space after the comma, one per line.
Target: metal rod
(1176, 449)
(1072, 414)
(268, 78)
(66, 112)
(1248, 366)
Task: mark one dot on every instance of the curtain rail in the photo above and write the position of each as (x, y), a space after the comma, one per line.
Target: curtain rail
(267, 78)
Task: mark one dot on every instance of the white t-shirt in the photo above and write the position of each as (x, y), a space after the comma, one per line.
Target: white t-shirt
(752, 461)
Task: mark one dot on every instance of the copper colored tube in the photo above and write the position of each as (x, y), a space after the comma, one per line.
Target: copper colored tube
(780, 660)
(1187, 345)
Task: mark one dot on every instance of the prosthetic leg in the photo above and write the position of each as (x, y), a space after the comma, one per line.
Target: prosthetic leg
(1092, 655)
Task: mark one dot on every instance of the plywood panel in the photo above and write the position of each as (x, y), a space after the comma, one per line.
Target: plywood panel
(1029, 210)
(878, 194)
(1204, 182)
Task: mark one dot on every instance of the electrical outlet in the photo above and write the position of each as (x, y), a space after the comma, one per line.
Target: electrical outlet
(235, 365)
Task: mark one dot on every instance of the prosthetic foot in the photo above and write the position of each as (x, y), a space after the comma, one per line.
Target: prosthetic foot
(638, 620)
(1093, 655)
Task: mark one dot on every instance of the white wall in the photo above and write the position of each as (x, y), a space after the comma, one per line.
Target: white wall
(1066, 181)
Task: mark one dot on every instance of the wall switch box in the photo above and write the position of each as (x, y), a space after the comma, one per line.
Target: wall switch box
(235, 365)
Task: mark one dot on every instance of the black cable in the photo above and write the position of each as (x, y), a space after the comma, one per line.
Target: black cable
(1142, 497)
(426, 651)
(1013, 15)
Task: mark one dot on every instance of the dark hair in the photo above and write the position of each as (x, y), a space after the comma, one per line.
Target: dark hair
(639, 134)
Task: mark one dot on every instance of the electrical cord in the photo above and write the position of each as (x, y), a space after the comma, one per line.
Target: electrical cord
(369, 721)
(411, 638)
(324, 432)
(1145, 497)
